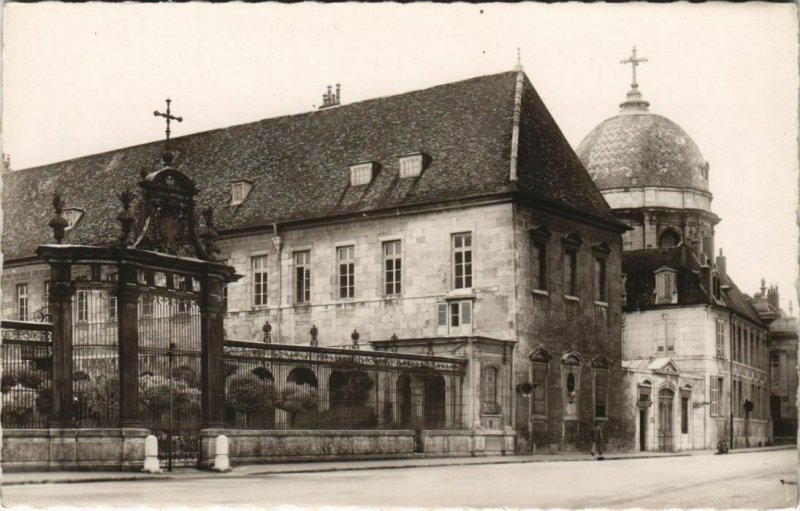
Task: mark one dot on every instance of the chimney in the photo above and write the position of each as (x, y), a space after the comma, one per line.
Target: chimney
(330, 98)
(773, 297)
(721, 260)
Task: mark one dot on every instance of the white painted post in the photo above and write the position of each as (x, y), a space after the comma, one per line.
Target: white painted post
(221, 461)
(151, 455)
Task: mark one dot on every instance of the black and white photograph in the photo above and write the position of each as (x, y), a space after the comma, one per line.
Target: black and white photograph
(387, 256)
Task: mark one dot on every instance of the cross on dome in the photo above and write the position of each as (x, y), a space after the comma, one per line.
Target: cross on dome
(633, 61)
(634, 101)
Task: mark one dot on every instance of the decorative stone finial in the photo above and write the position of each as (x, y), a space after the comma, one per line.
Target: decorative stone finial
(125, 217)
(314, 331)
(355, 336)
(58, 223)
(393, 338)
(519, 67)
(209, 233)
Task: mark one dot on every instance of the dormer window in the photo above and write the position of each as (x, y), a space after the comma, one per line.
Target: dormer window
(361, 174)
(72, 216)
(666, 286)
(411, 166)
(239, 191)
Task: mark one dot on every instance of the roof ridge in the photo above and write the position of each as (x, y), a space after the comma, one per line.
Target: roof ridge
(264, 119)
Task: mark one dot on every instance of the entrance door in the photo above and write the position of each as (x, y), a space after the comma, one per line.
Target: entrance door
(775, 413)
(643, 429)
(665, 399)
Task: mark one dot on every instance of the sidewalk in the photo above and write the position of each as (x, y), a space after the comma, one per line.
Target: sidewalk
(22, 478)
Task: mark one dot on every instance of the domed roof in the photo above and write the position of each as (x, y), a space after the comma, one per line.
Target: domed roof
(637, 148)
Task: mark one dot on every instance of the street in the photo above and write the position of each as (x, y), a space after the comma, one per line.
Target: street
(747, 480)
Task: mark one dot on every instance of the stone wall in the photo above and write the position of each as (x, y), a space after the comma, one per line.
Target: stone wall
(34, 275)
(426, 278)
(73, 449)
(559, 324)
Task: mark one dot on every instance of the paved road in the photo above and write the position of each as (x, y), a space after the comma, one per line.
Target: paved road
(742, 480)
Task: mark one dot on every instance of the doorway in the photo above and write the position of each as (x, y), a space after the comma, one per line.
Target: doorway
(665, 399)
(643, 429)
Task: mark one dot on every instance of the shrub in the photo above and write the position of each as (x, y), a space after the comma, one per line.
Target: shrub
(248, 393)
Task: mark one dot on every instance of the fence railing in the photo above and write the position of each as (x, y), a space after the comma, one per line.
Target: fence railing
(27, 381)
(273, 386)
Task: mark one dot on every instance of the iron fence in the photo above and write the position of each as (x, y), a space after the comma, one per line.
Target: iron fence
(271, 386)
(95, 365)
(27, 381)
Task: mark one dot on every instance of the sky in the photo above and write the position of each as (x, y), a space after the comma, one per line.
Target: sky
(80, 79)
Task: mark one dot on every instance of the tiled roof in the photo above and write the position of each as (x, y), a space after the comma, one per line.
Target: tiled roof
(648, 147)
(299, 164)
(639, 267)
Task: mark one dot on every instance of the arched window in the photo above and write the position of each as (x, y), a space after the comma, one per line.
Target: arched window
(489, 379)
(669, 239)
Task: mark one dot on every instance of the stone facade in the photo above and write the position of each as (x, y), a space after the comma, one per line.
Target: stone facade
(694, 352)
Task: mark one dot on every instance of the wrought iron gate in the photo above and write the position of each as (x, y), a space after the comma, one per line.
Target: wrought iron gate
(169, 375)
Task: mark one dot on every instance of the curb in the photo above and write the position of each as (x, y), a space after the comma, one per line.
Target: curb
(322, 469)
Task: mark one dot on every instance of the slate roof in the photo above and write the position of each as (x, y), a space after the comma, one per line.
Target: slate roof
(645, 146)
(639, 267)
(299, 164)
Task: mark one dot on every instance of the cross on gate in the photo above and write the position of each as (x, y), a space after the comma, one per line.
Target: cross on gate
(633, 61)
(169, 117)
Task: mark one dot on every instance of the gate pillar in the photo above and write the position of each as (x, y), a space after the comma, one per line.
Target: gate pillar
(61, 292)
(128, 342)
(211, 327)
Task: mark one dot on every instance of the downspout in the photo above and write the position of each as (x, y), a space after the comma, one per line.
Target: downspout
(277, 242)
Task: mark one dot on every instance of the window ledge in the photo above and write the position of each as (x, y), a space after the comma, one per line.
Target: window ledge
(541, 292)
(601, 419)
(601, 304)
(460, 294)
(572, 298)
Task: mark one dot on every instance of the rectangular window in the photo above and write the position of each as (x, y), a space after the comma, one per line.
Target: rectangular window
(570, 272)
(460, 313)
(22, 302)
(441, 314)
(237, 193)
(775, 367)
(392, 267)
(600, 393)
(684, 414)
(302, 276)
(410, 166)
(347, 276)
(600, 279)
(83, 305)
(259, 265)
(716, 389)
(720, 338)
(539, 266)
(462, 260)
(360, 174)
(489, 390)
(665, 287)
(539, 394)
(665, 334)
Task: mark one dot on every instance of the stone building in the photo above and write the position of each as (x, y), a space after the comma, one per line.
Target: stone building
(782, 362)
(454, 220)
(695, 349)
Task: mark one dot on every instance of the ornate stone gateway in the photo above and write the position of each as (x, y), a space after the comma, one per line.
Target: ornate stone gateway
(137, 327)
